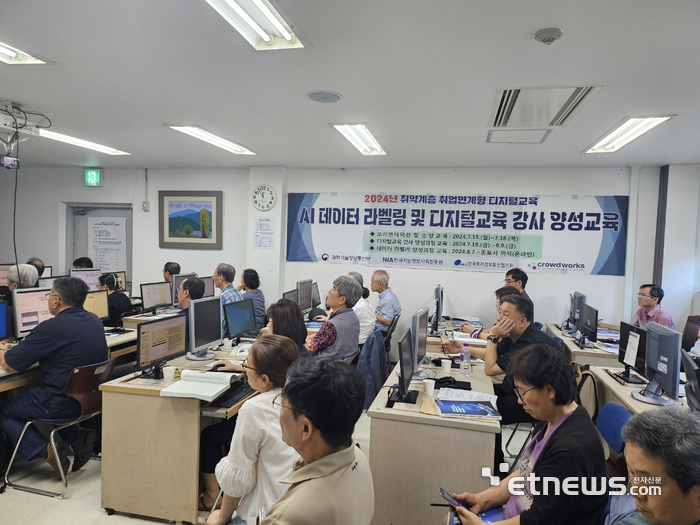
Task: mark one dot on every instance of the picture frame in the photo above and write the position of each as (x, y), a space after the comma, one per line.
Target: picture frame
(181, 215)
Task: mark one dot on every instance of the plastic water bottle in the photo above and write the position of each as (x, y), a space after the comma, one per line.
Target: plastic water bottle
(465, 366)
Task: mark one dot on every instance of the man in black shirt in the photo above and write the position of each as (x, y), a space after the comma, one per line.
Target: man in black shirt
(72, 338)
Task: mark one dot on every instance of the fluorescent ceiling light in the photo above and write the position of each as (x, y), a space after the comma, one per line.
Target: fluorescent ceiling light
(203, 134)
(13, 56)
(258, 22)
(359, 136)
(79, 142)
(625, 132)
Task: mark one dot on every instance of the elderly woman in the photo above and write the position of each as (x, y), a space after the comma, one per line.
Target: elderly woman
(565, 445)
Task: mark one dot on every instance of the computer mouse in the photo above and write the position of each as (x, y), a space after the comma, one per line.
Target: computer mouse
(444, 381)
(218, 367)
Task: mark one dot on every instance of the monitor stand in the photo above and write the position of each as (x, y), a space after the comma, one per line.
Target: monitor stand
(410, 398)
(201, 356)
(419, 376)
(652, 394)
(628, 378)
(581, 342)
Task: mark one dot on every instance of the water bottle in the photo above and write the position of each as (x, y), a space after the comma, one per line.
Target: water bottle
(465, 366)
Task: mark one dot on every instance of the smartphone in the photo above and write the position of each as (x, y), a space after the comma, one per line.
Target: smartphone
(448, 497)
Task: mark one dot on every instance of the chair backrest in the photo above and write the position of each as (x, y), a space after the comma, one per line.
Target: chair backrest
(84, 386)
(557, 340)
(583, 373)
(349, 359)
(611, 419)
(392, 326)
(135, 311)
(690, 332)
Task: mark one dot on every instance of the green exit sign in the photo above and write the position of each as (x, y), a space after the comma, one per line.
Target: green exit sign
(93, 177)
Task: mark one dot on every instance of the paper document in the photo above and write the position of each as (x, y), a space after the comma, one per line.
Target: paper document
(453, 394)
(200, 384)
(632, 348)
(464, 338)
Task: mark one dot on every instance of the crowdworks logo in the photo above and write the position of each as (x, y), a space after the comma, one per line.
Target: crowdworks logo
(532, 265)
(537, 485)
(324, 257)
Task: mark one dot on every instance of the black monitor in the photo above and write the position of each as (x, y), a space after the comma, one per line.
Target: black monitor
(304, 289)
(437, 318)
(240, 318)
(315, 296)
(588, 324)
(692, 387)
(403, 394)
(175, 284)
(3, 319)
(91, 276)
(641, 346)
(30, 308)
(205, 328)
(208, 286)
(663, 365)
(154, 295)
(575, 307)
(159, 341)
(291, 295)
(419, 340)
(48, 271)
(96, 303)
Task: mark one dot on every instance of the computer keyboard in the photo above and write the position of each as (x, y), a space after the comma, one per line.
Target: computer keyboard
(233, 395)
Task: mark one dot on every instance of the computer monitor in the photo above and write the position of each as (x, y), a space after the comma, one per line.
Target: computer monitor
(91, 276)
(663, 365)
(154, 295)
(240, 318)
(4, 272)
(175, 284)
(419, 340)
(205, 328)
(159, 341)
(404, 395)
(121, 275)
(31, 307)
(291, 295)
(305, 289)
(3, 319)
(577, 302)
(47, 282)
(96, 303)
(692, 387)
(627, 355)
(48, 271)
(208, 286)
(437, 318)
(315, 296)
(588, 324)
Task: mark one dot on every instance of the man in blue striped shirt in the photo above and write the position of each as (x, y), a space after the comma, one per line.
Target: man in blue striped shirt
(224, 274)
(388, 307)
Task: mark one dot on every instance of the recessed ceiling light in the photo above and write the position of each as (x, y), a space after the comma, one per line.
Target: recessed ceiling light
(327, 97)
(14, 57)
(80, 142)
(625, 132)
(258, 22)
(203, 134)
(359, 136)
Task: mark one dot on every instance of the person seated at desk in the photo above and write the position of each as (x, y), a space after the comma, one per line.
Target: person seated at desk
(19, 277)
(250, 288)
(565, 445)
(38, 264)
(649, 301)
(223, 276)
(338, 337)
(664, 444)
(363, 310)
(285, 318)
(258, 459)
(71, 339)
(170, 269)
(83, 262)
(190, 289)
(516, 278)
(331, 483)
(117, 302)
(483, 333)
(388, 307)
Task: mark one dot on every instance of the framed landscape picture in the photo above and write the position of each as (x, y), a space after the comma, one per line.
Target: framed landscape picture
(190, 219)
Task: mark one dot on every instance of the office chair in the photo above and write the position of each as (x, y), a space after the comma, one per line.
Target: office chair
(611, 419)
(83, 386)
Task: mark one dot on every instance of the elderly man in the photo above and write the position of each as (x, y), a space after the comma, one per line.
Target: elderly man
(22, 276)
(72, 338)
(664, 444)
(223, 275)
(170, 269)
(339, 336)
(331, 482)
(649, 301)
(38, 264)
(388, 307)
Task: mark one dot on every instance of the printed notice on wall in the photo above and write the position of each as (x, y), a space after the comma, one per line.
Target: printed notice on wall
(264, 233)
(107, 243)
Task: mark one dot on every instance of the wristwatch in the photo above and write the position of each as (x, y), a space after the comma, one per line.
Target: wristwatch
(494, 339)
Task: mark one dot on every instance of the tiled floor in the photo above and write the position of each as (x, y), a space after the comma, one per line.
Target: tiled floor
(81, 505)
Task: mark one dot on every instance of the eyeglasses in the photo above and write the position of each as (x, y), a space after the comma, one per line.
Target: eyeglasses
(640, 294)
(521, 394)
(509, 281)
(277, 402)
(244, 364)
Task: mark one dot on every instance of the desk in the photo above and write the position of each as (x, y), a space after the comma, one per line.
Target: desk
(583, 356)
(413, 454)
(121, 344)
(150, 448)
(135, 320)
(610, 391)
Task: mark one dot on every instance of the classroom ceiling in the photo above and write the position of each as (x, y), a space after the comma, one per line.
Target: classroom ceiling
(423, 74)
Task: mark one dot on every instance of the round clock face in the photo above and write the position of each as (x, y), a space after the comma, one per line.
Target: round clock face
(264, 197)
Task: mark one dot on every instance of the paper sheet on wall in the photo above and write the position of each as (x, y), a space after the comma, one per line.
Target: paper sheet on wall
(264, 233)
(107, 243)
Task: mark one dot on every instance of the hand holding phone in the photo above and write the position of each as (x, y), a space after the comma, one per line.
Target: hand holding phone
(448, 497)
